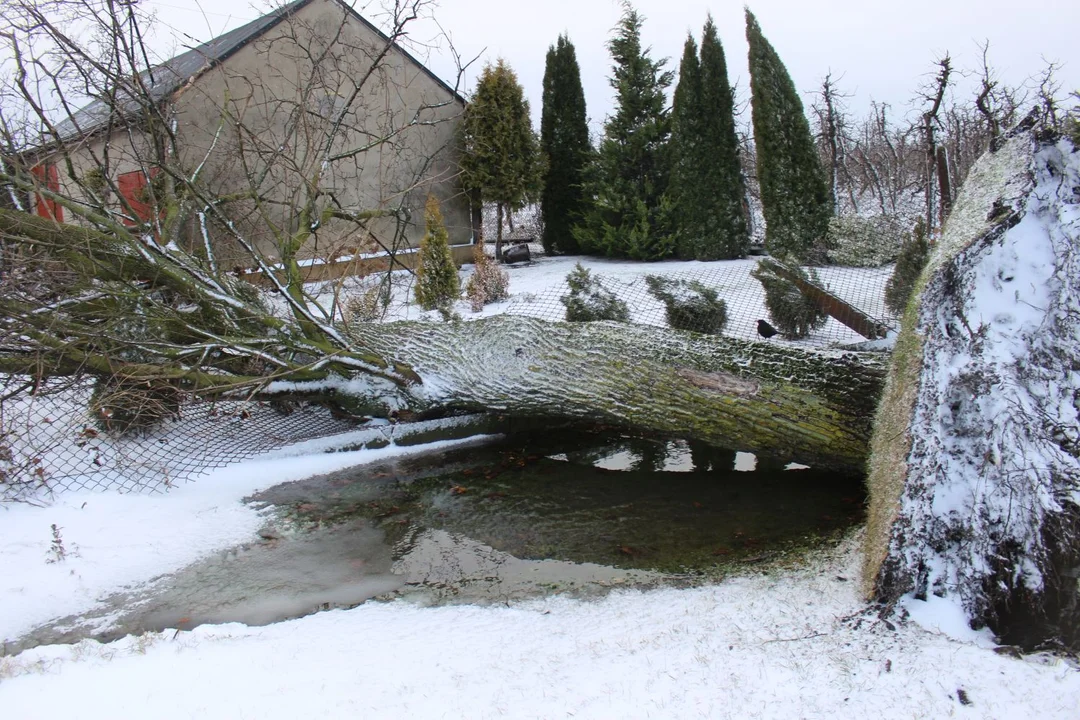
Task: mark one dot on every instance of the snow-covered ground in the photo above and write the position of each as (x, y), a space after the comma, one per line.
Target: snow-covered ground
(536, 289)
(775, 644)
(780, 644)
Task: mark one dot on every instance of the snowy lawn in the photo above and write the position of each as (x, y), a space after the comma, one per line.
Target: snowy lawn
(784, 644)
(536, 289)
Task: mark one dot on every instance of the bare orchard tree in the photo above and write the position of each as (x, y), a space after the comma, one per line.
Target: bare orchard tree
(830, 114)
(937, 188)
(885, 162)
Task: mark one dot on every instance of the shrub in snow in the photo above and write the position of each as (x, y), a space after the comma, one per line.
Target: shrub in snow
(1072, 122)
(793, 314)
(368, 305)
(689, 305)
(589, 300)
(437, 282)
(120, 405)
(857, 241)
(489, 282)
(913, 257)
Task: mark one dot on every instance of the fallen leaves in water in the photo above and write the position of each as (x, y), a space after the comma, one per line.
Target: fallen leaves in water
(458, 489)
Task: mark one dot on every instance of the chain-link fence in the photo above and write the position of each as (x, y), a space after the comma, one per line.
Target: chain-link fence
(50, 442)
(733, 283)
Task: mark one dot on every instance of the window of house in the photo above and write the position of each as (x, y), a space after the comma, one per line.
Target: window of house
(49, 178)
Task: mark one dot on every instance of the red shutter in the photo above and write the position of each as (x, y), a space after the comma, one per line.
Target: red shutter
(132, 188)
(48, 176)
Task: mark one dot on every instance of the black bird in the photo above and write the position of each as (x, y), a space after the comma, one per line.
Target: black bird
(765, 330)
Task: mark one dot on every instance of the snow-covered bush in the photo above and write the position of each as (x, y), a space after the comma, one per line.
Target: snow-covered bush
(589, 300)
(437, 283)
(858, 241)
(913, 256)
(793, 314)
(489, 282)
(689, 305)
(367, 305)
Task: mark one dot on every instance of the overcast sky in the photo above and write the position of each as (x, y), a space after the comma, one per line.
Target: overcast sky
(878, 50)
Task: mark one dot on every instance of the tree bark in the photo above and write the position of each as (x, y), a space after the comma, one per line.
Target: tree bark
(766, 398)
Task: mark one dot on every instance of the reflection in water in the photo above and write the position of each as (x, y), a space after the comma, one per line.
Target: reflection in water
(568, 513)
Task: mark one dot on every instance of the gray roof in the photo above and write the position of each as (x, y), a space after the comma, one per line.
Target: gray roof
(162, 80)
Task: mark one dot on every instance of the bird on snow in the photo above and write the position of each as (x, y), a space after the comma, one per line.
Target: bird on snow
(765, 330)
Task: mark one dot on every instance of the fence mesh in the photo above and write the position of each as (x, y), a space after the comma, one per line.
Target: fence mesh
(49, 443)
(743, 296)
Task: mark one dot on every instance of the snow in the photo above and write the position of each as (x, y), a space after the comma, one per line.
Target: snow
(536, 288)
(776, 644)
(116, 541)
(990, 458)
(795, 642)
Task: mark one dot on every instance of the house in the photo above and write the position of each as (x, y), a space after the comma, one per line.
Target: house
(308, 129)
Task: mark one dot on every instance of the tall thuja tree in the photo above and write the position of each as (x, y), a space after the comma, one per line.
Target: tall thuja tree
(629, 215)
(708, 190)
(564, 142)
(500, 160)
(794, 193)
(686, 121)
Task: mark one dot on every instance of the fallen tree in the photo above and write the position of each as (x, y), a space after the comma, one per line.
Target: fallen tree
(975, 463)
(153, 317)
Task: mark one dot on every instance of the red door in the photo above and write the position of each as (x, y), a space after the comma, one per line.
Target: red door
(49, 177)
(132, 187)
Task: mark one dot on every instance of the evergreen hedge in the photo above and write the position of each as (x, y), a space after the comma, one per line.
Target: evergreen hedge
(795, 194)
(564, 143)
(913, 257)
(791, 312)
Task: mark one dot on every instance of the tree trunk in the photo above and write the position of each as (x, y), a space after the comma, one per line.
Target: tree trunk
(498, 232)
(767, 398)
(944, 185)
(975, 464)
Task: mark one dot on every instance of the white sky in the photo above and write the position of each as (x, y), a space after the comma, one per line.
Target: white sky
(882, 51)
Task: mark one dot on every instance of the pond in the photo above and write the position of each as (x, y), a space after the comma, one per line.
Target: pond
(576, 512)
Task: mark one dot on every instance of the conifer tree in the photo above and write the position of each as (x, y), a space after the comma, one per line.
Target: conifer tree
(794, 191)
(629, 216)
(685, 169)
(437, 283)
(500, 159)
(707, 183)
(564, 142)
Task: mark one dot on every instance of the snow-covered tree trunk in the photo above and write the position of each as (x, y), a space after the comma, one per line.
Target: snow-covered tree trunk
(767, 398)
(974, 471)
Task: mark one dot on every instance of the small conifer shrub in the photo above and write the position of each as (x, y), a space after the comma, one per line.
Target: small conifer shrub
(793, 314)
(437, 283)
(913, 256)
(689, 305)
(589, 300)
(489, 282)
